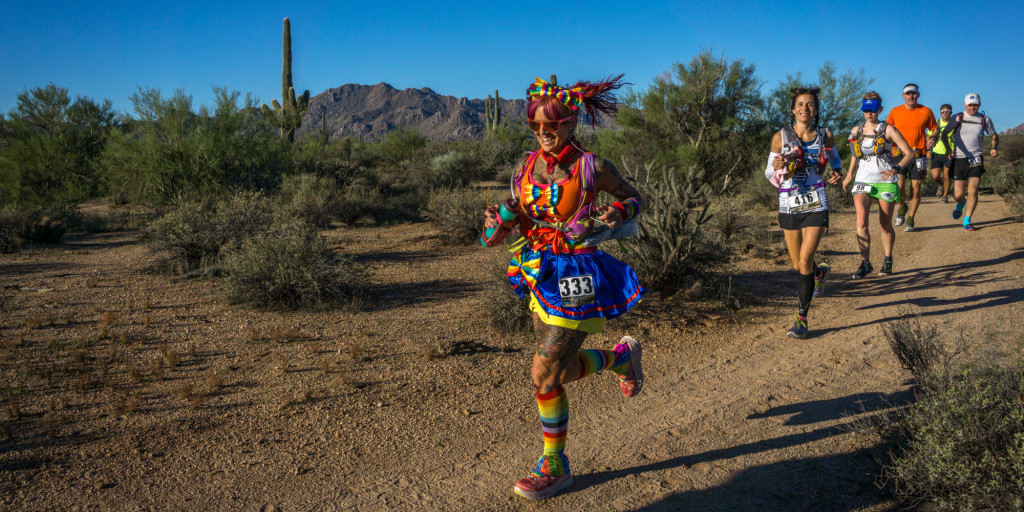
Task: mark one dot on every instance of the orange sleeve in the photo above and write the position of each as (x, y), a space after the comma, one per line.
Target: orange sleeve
(932, 125)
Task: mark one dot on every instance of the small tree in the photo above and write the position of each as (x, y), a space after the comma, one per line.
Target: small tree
(840, 98)
(699, 120)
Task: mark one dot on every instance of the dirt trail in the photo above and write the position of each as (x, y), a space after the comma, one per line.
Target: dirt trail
(735, 416)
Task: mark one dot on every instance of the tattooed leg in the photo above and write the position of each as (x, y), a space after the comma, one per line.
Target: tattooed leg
(556, 360)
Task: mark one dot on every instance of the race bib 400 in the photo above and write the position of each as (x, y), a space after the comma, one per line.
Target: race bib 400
(576, 291)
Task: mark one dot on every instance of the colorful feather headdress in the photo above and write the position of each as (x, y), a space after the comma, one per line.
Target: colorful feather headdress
(572, 98)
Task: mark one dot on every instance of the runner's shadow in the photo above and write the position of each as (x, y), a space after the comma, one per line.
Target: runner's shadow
(815, 411)
(840, 482)
(806, 413)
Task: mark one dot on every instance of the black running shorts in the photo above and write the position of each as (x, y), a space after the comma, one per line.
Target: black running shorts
(938, 160)
(793, 221)
(962, 169)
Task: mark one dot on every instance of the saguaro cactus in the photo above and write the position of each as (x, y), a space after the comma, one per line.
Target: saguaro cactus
(288, 116)
(492, 112)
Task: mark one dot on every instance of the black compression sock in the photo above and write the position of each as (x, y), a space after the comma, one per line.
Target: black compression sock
(805, 290)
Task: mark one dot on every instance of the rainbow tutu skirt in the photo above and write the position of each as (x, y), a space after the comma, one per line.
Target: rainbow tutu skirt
(577, 291)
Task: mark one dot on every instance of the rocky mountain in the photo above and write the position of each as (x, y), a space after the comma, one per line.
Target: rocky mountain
(370, 111)
(1015, 131)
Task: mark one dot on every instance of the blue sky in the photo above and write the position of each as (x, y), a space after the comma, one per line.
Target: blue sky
(107, 49)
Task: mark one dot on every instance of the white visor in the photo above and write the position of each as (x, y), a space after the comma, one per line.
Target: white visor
(911, 88)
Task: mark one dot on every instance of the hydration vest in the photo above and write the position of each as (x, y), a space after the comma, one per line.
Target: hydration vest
(793, 149)
(878, 148)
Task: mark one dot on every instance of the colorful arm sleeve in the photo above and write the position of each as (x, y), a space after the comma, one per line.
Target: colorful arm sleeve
(628, 208)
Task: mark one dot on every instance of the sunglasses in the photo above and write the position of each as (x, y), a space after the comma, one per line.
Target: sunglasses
(549, 126)
(944, 111)
(875, 111)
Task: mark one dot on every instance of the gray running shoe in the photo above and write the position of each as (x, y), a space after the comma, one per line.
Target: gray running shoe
(901, 213)
(938, 192)
(909, 224)
(865, 269)
(886, 269)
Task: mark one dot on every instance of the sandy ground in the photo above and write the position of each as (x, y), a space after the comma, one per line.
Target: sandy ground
(125, 389)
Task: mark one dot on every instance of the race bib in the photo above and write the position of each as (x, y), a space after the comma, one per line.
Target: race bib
(802, 202)
(922, 164)
(861, 188)
(576, 291)
(974, 161)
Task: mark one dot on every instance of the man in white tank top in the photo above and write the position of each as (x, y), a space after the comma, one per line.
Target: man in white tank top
(967, 129)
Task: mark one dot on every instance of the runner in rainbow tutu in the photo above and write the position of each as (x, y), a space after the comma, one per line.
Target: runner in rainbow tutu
(574, 287)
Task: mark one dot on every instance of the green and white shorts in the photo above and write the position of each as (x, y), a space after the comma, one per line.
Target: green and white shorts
(888, 192)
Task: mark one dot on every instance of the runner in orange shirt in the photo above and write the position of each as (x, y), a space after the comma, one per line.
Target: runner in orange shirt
(914, 122)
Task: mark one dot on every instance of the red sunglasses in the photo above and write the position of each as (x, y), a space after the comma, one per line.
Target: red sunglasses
(550, 126)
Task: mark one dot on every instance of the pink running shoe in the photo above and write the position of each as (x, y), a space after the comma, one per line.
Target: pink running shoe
(633, 383)
(542, 487)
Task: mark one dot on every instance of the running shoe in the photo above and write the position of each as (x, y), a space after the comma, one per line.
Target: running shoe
(945, 199)
(540, 485)
(901, 213)
(865, 269)
(910, 224)
(938, 192)
(633, 382)
(958, 210)
(969, 227)
(799, 329)
(819, 284)
(886, 269)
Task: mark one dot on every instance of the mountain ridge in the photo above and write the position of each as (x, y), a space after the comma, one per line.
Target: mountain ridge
(370, 111)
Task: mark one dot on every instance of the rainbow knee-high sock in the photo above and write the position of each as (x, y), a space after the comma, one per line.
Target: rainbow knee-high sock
(593, 361)
(554, 420)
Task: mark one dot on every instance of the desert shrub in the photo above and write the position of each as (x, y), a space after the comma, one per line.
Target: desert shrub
(674, 245)
(399, 145)
(457, 213)
(454, 169)
(506, 312)
(10, 224)
(960, 445)
(920, 349)
(292, 267)
(730, 220)
(196, 234)
(310, 198)
(36, 224)
(963, 443)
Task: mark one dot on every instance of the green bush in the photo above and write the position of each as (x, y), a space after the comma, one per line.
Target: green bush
(51, 145)
(454, 169)
(399, 145)
(174, 151)
(292, 267)
(457, 213)
(197, 234)
(310, 198)
(10, 225)
(963, 444)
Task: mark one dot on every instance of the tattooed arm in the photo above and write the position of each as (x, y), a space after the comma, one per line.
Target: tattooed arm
(629, 201)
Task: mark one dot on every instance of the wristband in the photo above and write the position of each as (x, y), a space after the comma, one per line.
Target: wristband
(628, 208)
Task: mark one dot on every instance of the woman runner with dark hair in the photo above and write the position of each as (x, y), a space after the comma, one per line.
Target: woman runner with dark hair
(797, 165)
(573, 286)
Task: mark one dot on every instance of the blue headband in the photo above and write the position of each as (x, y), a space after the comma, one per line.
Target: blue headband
(870, 105)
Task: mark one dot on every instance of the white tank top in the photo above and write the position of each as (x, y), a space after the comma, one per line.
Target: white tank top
(806, 179)
(871, 167)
